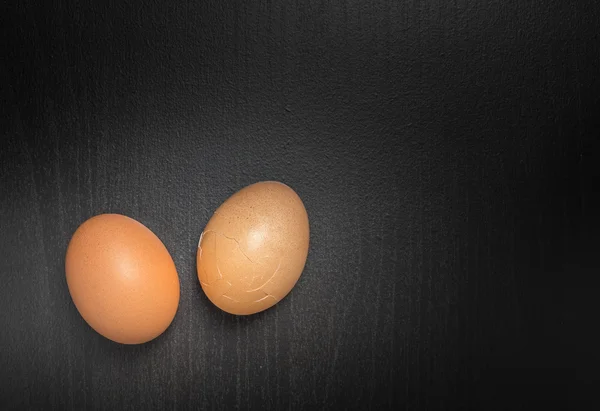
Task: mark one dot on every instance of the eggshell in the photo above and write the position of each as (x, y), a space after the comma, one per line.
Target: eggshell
(122, 279)
(254, 248)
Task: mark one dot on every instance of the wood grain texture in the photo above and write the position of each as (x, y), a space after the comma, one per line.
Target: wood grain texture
(443, 150)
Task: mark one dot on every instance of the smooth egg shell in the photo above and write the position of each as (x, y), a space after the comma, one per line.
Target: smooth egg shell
(254, 248)
(122, 279)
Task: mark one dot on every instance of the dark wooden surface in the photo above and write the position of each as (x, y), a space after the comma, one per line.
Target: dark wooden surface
(443, 149)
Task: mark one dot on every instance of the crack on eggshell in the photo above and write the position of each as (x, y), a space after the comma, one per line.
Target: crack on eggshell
(222, 278)
(269, 295)
(215, 284)
(200, 259)
(265, 297)
(230, 238)
(218, 269)
(203, 271)
(269, 279)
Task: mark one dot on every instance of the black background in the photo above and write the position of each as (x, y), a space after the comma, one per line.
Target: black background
(443, 150)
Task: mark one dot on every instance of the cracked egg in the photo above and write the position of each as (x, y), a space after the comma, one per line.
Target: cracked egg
(254, 248)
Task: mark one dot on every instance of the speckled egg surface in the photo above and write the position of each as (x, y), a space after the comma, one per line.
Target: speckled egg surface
(122, 279)
(254, 248)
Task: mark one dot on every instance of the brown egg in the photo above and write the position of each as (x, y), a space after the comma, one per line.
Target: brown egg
(254, 248)
(122, 279)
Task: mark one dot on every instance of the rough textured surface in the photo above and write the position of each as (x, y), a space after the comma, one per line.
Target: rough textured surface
(443, 150)
(122, 279)
(254, 248)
